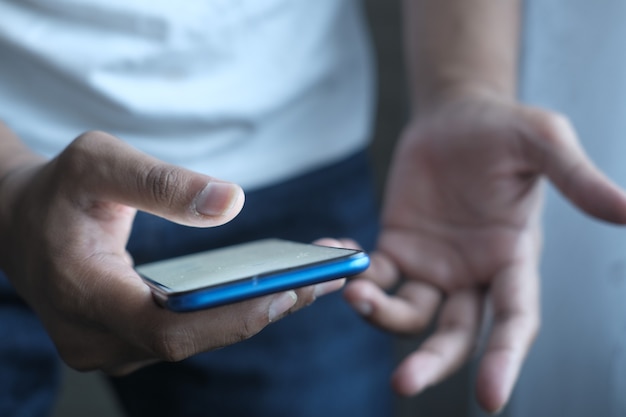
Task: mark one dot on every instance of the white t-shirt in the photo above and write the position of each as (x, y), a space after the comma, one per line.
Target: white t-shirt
(252, 91)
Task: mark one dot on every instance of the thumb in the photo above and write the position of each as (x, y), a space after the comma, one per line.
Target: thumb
(104, 168)
(562, 159)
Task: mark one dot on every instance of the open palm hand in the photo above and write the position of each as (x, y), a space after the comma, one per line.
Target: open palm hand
(461, 226)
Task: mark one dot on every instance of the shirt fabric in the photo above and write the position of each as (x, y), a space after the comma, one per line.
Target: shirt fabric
(251, 91)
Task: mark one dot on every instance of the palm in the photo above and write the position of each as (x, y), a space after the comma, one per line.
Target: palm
(461, 197)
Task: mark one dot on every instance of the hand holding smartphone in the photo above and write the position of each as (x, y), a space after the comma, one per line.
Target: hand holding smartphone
(235, 273)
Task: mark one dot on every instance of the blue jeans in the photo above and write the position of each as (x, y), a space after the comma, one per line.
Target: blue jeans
(322, 361)
(29, 365)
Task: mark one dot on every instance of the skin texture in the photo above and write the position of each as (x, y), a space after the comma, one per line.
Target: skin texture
(65, 224)
(461, 231)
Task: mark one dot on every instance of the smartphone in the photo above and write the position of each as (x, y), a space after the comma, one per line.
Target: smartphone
(235, 273)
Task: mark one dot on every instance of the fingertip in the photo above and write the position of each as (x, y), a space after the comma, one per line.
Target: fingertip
(327, 241)
(491, 404)
(404, 385)
(360, 295)
(410, 378)
(350, 244)
(346, 243)
(364, 308)
(383, 270)
(281, 304)
(496, 378)
(329, 287)
(219, 199)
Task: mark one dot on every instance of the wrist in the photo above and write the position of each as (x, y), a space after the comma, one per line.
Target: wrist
(455, 89)
(452, 43)
(459, 92)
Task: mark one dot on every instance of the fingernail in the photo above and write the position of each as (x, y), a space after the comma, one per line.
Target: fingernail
(364, 308)
(328, 287)
(217, 198)
(281, 304)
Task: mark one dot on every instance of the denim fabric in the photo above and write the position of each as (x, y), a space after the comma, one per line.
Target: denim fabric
(322, 361)
(29, 366)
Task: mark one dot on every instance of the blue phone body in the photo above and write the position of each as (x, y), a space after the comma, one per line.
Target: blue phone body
(236, 273)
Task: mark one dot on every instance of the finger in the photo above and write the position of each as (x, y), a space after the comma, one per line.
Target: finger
(174, 336)
(418, 254)
(382, 271)
(338, 243)
(108, 169)
(205, 330)
(183, 335)
(515, 298)
(447, 349)
(323, 288)
(307, 295)
(408, 312)
(557, 150)
(123, 305)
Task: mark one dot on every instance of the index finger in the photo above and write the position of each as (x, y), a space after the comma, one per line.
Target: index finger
(100, 167)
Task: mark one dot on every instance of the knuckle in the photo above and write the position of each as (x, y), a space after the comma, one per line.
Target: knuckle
(171, 345)
(74, 159)
(306, 297)
(553, 126)
(81, 148)
(248, 327)
(556, 120)
(163, 182)
(80, 158)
